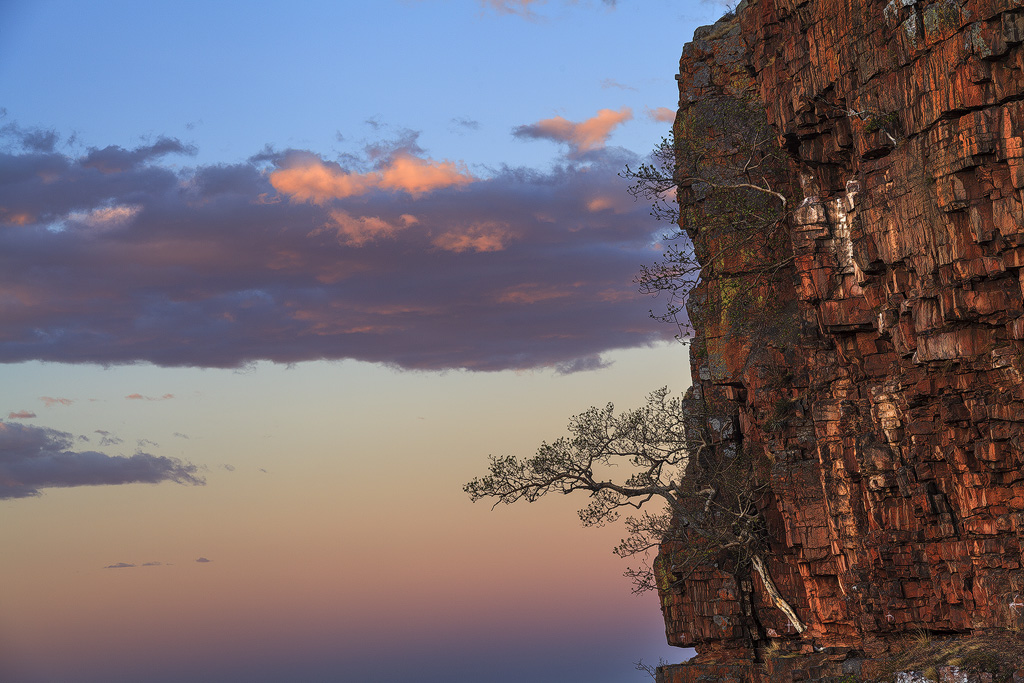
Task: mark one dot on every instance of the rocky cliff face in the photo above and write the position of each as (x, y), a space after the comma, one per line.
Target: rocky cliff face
(890, 419)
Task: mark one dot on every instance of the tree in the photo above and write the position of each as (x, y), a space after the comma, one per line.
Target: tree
(699, 500)
(717, 178)
(690, 489)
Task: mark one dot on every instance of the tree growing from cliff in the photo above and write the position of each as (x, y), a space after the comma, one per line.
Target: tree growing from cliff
(715, 177)
(693, 501)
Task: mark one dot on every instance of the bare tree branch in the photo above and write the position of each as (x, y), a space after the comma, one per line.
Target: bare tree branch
(693, 498)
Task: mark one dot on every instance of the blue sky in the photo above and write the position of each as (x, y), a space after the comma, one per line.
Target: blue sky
(274, 281)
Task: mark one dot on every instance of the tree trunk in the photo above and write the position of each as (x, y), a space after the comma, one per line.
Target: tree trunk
(775, 595)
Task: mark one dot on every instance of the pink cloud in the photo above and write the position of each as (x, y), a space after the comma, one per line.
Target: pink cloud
(9, 217)
(50, 401)
(584, 136)
(312, 180)
(663, 114)
(315, 181)
(140, 397)
(417, 176)
(104, 218)
(531, 294)
(357, 231)
(21, 415)
(480, 237)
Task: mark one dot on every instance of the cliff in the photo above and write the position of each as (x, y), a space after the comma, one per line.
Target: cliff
(885, 398)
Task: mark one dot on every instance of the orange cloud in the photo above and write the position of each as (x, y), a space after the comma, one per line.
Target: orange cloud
(530, 294)
(355, 231)
(479, 237)
(317, 182)
(663, 114)
(21, 415)
(15, 217)
(418, 176)
(314, 181)
(584, 136)
(50, 401)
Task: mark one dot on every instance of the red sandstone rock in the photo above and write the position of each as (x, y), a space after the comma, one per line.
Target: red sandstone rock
(897, 483)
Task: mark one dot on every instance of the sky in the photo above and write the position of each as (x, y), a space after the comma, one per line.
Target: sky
(275, 280)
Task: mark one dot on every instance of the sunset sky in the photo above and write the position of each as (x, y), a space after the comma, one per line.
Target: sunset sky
(275, 279)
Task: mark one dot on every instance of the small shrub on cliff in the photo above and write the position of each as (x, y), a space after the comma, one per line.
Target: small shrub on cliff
(717, 177)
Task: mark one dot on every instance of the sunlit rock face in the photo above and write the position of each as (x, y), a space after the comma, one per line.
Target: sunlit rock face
(886, 401)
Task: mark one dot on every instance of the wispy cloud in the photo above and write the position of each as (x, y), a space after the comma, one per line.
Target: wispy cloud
(21, 415)
(581, 365)
(519, 7)
(582, 136)
(33, 458)
(50, 401)
(524, 8)
(608, 83)
(140, 397)
(222, 265)
(108, 439)
(463, 123)
(120, 565)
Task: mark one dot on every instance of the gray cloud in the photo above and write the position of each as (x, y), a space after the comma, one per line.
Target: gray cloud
(203, 559)
(581, 365)
(31, 139)
(108, 439)
(33, 458)
(213, 267)
(464, 123)
(119, 565)
(114, 159)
